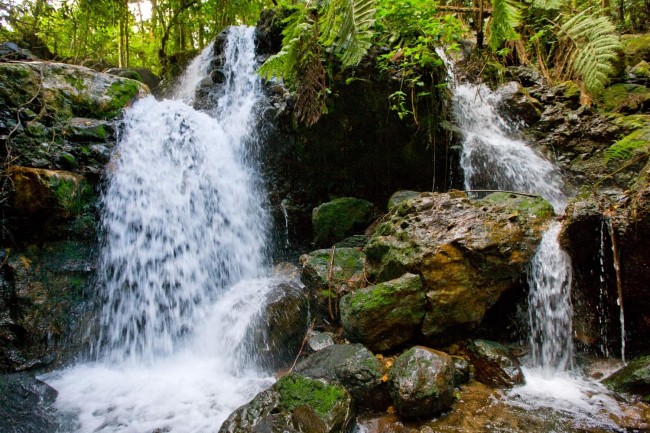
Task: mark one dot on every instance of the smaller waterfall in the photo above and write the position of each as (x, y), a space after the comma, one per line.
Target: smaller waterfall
(549, 305)
(619, 285)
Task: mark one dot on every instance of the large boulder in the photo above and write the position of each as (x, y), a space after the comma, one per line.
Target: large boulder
(386, 315)
(329, 274)
(468, 253)
(337, 219)
(26, 405)
(516, 104)
(634, 378)
(354, 367)
(493, 364)
(294, 404)
(421, 383)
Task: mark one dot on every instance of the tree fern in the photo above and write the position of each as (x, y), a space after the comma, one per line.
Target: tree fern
(506, 16)
(347, 28)
(594, 44)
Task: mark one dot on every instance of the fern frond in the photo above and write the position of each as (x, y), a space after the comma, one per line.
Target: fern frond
(506, 16)
(637, 141)
(346, 26)
(594, 45)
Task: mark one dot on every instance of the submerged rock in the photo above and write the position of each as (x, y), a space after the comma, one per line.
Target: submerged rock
(386, 315)
(335, 220)
(468, 253)
(354, 367)
(294, 404)
(421, 383)
(493, 364)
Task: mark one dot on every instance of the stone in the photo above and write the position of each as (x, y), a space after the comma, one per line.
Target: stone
(324, 285)
(493, 364)
(27, 405)
(516, 104)
(636, 48)
(335, 220)
(83, 130)
(143, 75)
(634, 378)
(468, 253)
(294, 404)
(319, 340)
(9, 51)
(386, 315)
(462, 370)
(640, 72)
(626, 98)
(354, 367)
(283, 327)
(399, 197)
(421, 383)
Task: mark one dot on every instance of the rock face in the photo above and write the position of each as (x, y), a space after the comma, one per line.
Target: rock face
(325, 284)
(282, 326)
(467, 252)
(421, 383)
(335, 220)
(26, 405)
(386, 315)
(294, 404)
(633, 378)
(516, 104)
(493, 364)
(354, 367)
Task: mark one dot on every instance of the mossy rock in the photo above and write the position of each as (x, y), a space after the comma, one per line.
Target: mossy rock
(640, 71)
(625, 98)
(634, 378)
(386, 315)
(294, 404)
(335, 220)
(421, 383)
(400, 197)
(493, 364)
(636, 48)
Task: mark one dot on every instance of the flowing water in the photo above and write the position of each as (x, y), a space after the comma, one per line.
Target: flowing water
(182, 266)
(494, 158)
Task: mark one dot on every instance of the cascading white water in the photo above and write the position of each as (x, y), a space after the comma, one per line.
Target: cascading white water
(185, 232)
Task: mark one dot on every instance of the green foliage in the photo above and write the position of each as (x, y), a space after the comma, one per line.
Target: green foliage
(593, 46)
(506, 16)
(298, 390)
(625, 148)
(347, 28)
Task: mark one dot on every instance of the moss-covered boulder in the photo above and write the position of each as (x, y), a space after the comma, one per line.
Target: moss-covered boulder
(626, 98)
(386, 315)
(354, 367)
(294, 404)
(335, 220)
(399, 197)
(634, 378)
(636, 48)
(421, 383)
(640, 72)
(329, 274)
(468, 252)
(143, 75)
(493, 364)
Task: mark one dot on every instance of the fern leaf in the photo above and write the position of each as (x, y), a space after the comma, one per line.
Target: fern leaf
(346, 26)
(506, 16)
(594, 46)
(637, 141)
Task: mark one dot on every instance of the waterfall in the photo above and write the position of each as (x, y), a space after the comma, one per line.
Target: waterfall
(492, 159)
(182, 263)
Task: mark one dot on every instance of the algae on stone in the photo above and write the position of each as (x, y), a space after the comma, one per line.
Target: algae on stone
(335, 220)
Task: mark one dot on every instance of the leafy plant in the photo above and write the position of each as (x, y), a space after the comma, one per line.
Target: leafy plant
(506, 16)
(624, 148)
(347, 27)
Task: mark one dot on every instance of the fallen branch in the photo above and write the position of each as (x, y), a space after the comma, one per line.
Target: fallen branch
(501, 190)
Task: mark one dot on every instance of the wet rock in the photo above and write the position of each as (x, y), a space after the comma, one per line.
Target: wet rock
(468, 253)
(354, 367)
(335, 220)
(421, 383)
(527, 76)
(284, 324)
(325, 284)
(462, 371)
(356, 241)
(26, 405)
(143, 75)
(319, 340)
(294, 404)
(382, 423)
(493, 364)
(9, 51)
(83, 130)
(386, 315)
(400, 197)
(634, 378)
(516, 104)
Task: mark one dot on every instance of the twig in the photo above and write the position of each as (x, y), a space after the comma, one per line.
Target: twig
(501, 190)
(329, 283)
(302, 346)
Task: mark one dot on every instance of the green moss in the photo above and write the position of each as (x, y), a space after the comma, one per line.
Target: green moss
(72, 195)
(536, 206)
(76, 82)
(626, 98)
(335, 220)
(636, 48)
(121, 93)
(570, 90)
(296, 390)
(633, 378)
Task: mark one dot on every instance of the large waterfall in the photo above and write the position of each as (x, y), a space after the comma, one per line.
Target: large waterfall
(182, 263)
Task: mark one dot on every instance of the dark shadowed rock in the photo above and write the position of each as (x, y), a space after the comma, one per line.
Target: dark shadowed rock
(462, 370)
(335, 220)
(294, 404)
(26, 405)
(634, 378)
(355, 367)
(493, 364)
(386, 315)
(421, 383)
(516, 104)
